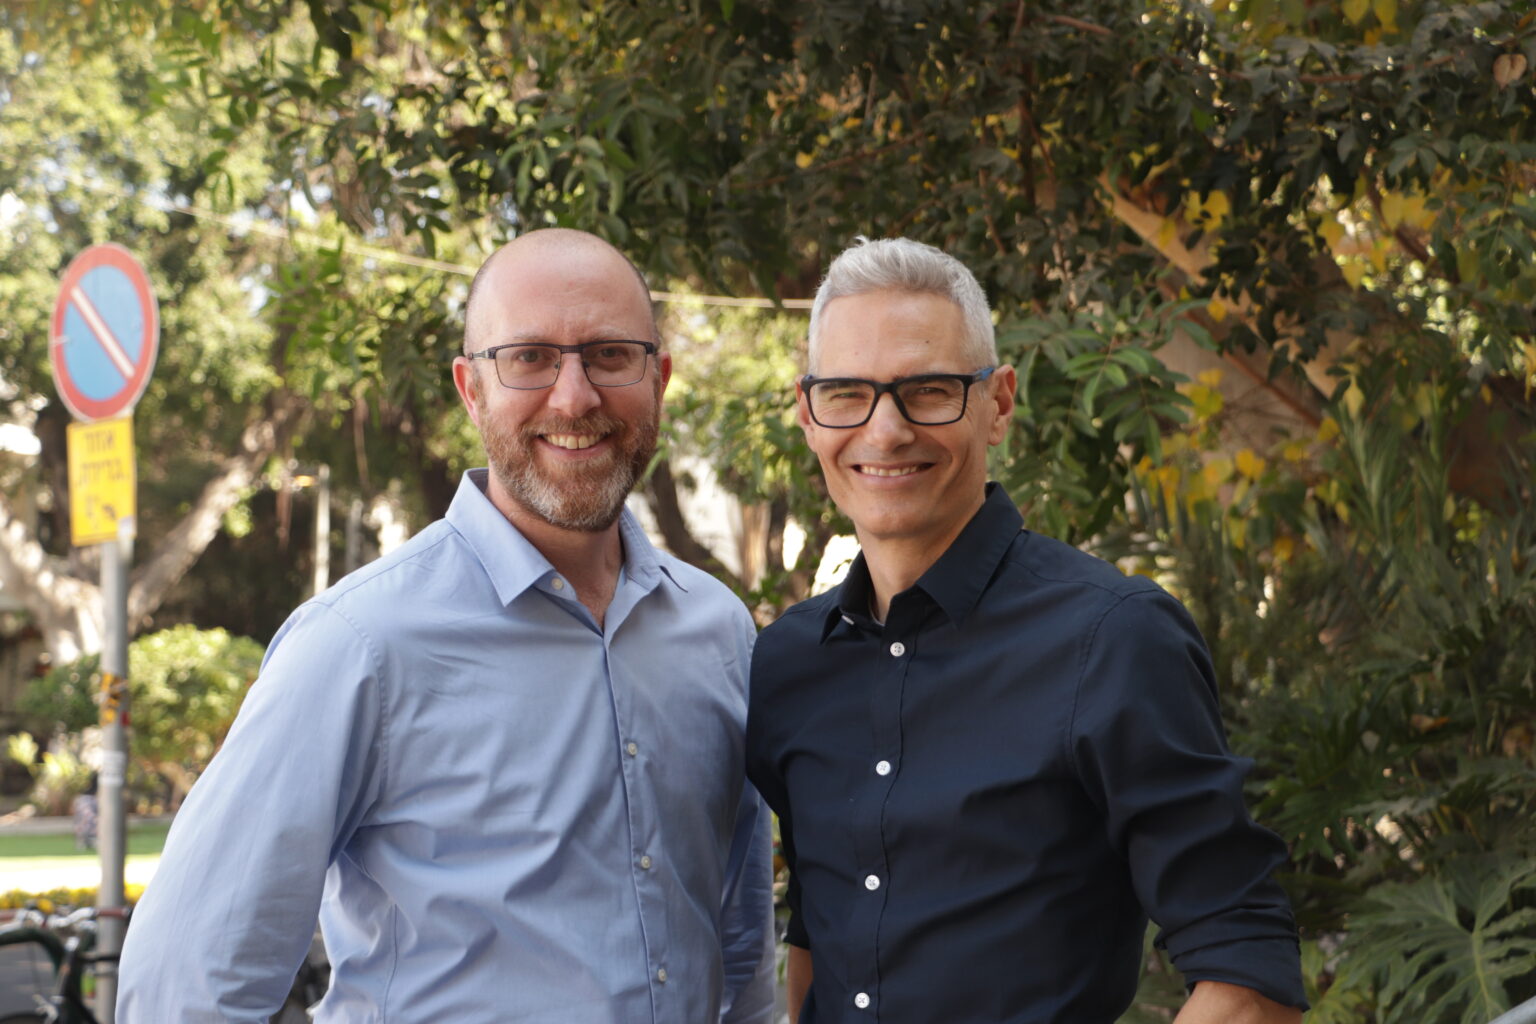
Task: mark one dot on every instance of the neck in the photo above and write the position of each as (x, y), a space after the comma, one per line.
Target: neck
(896, 563)
(589, 561)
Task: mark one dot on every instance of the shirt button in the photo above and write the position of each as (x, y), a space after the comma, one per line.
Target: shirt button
(882, 767)
(645, 863)
(661, 975)
(871, 882)
(861, 1000)
(898, 649)
(631, 748)
(557, 583)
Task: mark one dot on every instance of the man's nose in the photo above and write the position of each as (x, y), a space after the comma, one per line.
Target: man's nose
(887, 426)
(572, 394)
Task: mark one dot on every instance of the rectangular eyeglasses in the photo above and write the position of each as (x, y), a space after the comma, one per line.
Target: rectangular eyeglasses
(928, 399)
(528, 366)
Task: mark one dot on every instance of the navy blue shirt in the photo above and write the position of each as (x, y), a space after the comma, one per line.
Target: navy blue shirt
(982, 800)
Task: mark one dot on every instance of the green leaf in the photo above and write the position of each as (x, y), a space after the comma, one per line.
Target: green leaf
(1448, 942)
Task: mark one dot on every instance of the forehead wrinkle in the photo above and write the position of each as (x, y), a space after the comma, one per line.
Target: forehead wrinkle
(530, 335)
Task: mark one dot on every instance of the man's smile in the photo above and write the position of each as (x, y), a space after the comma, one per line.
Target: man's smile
(868, 470)
(573, 442)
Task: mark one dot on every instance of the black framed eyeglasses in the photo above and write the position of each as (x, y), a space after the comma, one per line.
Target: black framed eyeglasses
(928, 399)
(529, 366)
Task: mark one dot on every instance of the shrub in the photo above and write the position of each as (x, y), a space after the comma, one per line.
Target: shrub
(58, 776)
(185, 685)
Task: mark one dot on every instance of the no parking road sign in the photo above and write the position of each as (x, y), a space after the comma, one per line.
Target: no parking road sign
(103, 342)
(105, 333)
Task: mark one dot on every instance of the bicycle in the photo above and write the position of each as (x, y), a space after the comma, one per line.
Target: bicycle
(69, 941)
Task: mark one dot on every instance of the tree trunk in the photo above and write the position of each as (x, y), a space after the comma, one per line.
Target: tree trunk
(661, 489)
(67, 608)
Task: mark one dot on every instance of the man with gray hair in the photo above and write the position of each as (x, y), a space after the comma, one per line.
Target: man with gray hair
(992, 756)
(480, 759)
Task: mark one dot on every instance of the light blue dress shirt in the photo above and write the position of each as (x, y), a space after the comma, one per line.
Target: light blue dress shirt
(499, 810)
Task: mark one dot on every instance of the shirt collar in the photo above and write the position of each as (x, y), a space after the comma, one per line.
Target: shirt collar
(955, 582)
(514, 564)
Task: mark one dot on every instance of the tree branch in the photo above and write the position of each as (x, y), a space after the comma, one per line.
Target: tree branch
(66, 608)
(661, 488)
(186, 541)
(1078, 23)
(1150, 226)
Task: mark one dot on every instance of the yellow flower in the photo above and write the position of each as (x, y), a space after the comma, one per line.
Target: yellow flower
(1354, 398)
(1217, 470)
(1250, 464)
(1207, 401)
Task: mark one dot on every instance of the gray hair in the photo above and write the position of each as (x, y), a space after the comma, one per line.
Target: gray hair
(904, 265)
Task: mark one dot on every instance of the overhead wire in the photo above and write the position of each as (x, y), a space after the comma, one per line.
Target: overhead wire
(242, 225)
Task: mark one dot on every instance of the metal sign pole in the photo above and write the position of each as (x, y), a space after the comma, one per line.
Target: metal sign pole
(116, 559)
(102, 343)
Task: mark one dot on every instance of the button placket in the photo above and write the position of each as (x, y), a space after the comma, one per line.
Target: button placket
(869, 846)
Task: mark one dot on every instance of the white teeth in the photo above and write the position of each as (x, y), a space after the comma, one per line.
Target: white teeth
(574, 442)
(880, 471)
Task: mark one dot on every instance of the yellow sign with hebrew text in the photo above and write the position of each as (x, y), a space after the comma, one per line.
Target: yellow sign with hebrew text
(101, 481)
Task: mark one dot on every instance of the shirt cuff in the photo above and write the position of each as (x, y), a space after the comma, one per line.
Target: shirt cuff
(1271, 967)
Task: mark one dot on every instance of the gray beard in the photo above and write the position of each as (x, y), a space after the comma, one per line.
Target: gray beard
(589, 502)
(586, 497)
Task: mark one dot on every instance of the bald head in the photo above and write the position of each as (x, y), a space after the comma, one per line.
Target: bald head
(543, 248)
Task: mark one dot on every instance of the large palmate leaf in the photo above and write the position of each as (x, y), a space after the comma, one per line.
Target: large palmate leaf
(1447, 945)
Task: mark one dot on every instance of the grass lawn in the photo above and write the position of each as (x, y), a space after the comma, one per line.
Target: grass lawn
(38, 863)
(142, 839)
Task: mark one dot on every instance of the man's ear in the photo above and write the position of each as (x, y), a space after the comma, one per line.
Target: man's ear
(463, 380)
(664, 367)
(803, 410)
(1005, 384)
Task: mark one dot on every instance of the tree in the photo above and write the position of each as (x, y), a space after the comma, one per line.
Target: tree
(267, 329)
(1283, 190)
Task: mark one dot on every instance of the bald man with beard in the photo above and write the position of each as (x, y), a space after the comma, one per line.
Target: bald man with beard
(504, 763)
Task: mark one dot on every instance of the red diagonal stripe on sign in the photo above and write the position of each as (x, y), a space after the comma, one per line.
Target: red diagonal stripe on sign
(103, 333)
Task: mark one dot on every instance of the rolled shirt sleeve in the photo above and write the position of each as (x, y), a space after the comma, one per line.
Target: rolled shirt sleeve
(231, 911)
(1148, 743)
